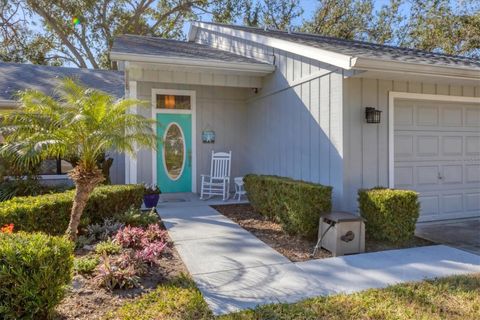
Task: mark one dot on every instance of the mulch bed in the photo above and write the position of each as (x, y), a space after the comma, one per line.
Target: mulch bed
(294, 248)
(85, 300)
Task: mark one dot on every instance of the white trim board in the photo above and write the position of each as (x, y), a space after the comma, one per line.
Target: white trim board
(193, 112)
(8, 104)
(131, 161)
(253, 68)
(392, 95)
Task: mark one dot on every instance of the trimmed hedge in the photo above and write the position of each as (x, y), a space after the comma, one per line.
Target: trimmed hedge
(390, 214)
(50, 213)
(34, 271)
(297, 205)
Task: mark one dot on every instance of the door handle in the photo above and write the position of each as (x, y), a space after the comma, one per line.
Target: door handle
(440, 176)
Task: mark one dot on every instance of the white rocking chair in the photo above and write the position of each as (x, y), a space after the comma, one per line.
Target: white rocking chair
(218, 182)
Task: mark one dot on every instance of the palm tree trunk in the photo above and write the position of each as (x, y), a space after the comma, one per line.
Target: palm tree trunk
(85, 181)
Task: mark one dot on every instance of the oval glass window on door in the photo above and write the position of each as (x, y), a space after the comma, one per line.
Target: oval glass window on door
(174, 151)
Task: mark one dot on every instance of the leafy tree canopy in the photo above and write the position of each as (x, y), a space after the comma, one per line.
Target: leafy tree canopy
(451, 27)
(81, 32)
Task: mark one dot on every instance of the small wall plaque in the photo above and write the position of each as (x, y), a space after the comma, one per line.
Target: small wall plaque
(208, 136)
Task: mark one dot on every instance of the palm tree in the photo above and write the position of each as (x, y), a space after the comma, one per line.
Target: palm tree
(76, 122)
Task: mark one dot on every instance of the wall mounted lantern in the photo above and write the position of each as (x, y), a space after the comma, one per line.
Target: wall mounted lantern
(372, 115)
(208, 136)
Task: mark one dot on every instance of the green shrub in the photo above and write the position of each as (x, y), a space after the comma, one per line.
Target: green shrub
(50, 213)
(108, 247)
(297, 205)
(390, 214)
(28, 187)
(34, 270)
(85, 265)
(136, 218)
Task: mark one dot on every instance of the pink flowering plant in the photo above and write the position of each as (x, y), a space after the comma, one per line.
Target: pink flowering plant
(131, 237)
(151, 252)
(148, 243)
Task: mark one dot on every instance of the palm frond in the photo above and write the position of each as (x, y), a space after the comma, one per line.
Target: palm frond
(76, 122)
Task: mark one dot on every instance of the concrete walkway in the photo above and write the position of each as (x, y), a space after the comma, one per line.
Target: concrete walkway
(234, 270)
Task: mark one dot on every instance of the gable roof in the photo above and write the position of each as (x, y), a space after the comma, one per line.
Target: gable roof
(19, 76)
(360, 48)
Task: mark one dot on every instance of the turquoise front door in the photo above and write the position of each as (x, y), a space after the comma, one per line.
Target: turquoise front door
(174, 152)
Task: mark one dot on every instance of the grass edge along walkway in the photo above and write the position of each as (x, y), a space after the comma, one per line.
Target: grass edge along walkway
(455, 297)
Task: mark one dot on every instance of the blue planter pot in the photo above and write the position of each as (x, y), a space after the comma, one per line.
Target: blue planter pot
(151, 200)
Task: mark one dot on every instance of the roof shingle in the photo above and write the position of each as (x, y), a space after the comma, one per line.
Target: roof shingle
(155, 46)
(18, 76)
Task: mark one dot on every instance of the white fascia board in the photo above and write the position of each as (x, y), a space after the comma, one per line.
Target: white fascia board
(8, 104)
(415, 68)
(261, 69)
(192, 32)
(336, 59)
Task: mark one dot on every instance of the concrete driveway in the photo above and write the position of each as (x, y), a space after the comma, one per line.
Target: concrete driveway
(464, 235)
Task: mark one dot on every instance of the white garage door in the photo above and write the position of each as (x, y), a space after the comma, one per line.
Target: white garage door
(437, 153)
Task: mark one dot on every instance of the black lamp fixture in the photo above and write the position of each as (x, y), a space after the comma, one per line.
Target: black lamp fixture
(372, 115)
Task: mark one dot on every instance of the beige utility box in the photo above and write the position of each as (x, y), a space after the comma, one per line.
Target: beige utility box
(341, 233)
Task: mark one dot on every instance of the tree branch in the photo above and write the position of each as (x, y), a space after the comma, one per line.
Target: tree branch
(51, 22)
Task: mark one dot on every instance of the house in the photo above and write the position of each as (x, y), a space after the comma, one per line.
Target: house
(15, 77)
(295, 104)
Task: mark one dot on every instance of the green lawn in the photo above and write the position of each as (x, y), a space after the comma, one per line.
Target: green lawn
(448, 298)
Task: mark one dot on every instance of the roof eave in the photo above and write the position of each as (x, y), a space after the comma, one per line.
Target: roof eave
(256, 68)
(416, 68)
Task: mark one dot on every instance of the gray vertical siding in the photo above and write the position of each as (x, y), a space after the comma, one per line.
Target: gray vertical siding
(366, 145)
(117, 171)
(295, 122)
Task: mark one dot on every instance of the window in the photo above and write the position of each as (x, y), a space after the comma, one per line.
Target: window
(55, 166)
(165, 101)
(48, 167)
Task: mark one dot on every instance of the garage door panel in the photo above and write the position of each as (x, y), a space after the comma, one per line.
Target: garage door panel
(452, 203)
(427, 116)
(429, 204)
(404, 177)
(437, 153)
(472, 116)
(427, 146)
(452, 146)
(404, 146)
(403, 115)
(427, 175)
(472, 173)
(472, 201)
(452, 174)
(472, 145)
(452, 116)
